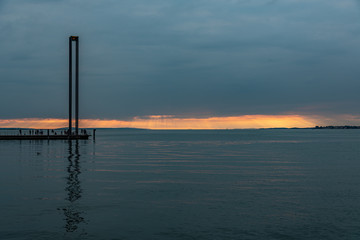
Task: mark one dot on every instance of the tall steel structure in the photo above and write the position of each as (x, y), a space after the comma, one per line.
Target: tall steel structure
(76, 40)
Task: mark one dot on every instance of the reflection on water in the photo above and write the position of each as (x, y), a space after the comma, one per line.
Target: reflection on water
(73, 215)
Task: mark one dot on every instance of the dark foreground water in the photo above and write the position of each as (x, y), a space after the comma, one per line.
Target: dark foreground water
(133, 184)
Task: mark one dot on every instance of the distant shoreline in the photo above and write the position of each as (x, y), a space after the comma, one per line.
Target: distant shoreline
(337, 127)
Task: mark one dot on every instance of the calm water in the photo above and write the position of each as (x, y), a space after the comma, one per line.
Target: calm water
(134, 184)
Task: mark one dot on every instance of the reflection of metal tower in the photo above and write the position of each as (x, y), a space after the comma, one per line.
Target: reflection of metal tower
(72, 212)
(71, 40)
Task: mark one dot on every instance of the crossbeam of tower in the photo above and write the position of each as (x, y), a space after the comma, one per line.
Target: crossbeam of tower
(76, 40)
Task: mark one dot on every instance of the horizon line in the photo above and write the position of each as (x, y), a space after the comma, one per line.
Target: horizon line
(170, 122)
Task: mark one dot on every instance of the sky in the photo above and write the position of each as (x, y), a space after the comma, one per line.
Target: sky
(182, 64)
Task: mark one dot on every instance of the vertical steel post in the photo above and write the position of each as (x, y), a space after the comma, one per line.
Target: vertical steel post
(70, 85)
(77, 89)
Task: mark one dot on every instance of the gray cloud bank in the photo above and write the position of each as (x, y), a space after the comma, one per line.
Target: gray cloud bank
(186, 58)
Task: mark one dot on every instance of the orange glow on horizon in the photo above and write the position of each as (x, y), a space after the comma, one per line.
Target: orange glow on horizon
(170, 122)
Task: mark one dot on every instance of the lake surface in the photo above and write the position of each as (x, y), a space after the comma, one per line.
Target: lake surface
(142, 184)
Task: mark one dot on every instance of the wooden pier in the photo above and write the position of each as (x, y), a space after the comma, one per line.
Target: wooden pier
(45, 134)
(44, 137)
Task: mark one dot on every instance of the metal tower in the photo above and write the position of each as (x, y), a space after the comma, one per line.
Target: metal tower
(76, 40)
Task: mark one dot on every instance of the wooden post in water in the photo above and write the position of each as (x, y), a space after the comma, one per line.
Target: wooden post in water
(94, 130)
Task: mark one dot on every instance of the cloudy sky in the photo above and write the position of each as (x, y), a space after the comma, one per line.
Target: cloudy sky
(198, 59)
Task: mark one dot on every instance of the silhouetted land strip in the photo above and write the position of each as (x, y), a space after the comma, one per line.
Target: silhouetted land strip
(337, 127)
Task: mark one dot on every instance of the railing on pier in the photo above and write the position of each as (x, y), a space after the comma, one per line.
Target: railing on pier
(39, 132)
(8, 134)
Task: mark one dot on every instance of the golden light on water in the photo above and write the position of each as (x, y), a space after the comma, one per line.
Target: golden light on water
(171, 122)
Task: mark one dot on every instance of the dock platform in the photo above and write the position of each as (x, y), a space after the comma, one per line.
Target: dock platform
(44, 137)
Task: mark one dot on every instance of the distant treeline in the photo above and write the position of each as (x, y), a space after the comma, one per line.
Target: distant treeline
(337, 127)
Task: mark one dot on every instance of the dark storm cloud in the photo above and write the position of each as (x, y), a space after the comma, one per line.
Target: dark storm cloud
(203, 57)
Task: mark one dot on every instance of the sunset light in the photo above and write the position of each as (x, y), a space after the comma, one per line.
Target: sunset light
(171, 122)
